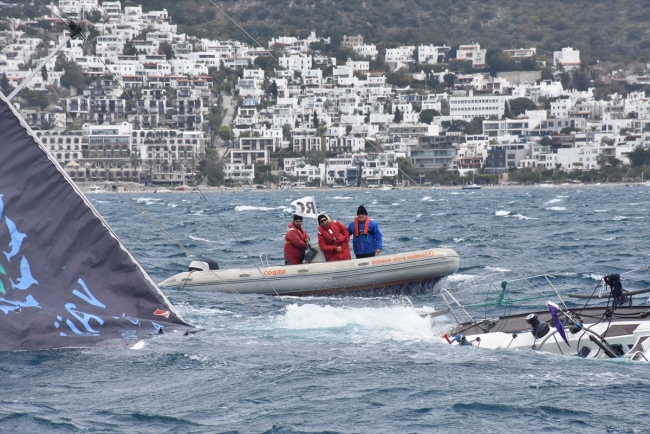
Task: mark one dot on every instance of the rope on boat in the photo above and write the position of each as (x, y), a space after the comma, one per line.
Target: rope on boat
(157, 133)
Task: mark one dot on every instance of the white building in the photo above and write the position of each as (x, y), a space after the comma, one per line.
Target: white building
(568, 58)
(470, 107)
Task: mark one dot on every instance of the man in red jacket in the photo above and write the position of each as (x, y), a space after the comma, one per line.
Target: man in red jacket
(333, 239)
(295, 242)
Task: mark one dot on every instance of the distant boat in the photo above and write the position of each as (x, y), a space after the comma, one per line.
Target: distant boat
(545, 184)
(94, 189)
(162, 190)
(473, 186)
(182, 188)
(436, 187)
(386, 188)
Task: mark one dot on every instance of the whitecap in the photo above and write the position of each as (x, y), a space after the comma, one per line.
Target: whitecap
(172, 205)
(395, 204)
(618, 218)
(497, 269)
(502, 213)
(523, 217)
(192, 237)
(418, 215)
(608, 239)
(401, 323)
(601, 210)
(561, 196)
(635, 204)
(593, 276)
(457, 277)
(241, 208)
(553, 201)
(556, 208)
(341, 198)
(458, 240)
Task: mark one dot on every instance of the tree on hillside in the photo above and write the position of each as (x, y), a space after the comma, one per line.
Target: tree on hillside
(5, 85)
(315, 119)
(426, 116)
(405, 167)
(398, 116)
(449, 79)
(639, 157)
(166, 49)
(519, 106)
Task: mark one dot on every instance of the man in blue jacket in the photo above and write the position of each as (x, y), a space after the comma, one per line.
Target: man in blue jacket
(367, 240)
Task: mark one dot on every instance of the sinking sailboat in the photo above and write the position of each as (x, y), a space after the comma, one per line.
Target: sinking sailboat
(66, 280)
(617, 329)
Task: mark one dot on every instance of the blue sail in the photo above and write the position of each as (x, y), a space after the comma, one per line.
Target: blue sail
(66, 280)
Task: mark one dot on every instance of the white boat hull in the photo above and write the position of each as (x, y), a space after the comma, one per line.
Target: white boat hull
(408, 272)
(628, 334)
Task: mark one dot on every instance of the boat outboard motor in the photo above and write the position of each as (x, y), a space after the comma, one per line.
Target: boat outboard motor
(539, 329)
(203, 265)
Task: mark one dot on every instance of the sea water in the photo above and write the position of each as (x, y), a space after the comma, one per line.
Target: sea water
(353, 364)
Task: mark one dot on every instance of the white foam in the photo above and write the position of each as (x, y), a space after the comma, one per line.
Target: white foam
(457, 277)
(561, 196)
(418, 215)
(342, 197)
(426, 198)
(173, 205)
(497, 269)
(618, 218)
(502, 213)
(395, 204)
(243, 208)
(635, 204)
(552, 201)
(608, 239)
(356, 324)
(601, 210)
(593, 276)
(523, 217)
(192, 237)
(146, 199)
(556, 208)
(458, 240)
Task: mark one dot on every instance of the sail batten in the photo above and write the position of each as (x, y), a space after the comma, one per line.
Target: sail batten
(65, 277)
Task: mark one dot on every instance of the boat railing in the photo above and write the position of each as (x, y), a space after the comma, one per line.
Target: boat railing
(264, 258)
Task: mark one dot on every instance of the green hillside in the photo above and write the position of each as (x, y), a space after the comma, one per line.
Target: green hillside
(613, 30)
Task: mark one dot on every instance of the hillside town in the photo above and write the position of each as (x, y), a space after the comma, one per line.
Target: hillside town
(135, 100)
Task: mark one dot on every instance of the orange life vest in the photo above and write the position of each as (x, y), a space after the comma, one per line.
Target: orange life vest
(330, 233)
(365, 226)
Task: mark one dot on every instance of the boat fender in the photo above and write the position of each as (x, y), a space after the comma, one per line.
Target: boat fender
(446, 336)
(538, 329)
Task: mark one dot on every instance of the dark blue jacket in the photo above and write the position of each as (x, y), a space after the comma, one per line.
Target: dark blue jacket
(364, 244)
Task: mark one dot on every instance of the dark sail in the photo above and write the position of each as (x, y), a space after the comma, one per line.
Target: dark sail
(65, 277)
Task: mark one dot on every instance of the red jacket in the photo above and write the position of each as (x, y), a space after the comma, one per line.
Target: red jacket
(326, 242)
(295, 244)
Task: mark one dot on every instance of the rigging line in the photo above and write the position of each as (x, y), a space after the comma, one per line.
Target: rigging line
(411, 179)
(183, 169)
(186, 173)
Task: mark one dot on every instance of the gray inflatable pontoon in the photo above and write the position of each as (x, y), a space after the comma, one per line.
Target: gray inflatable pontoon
(409, 272)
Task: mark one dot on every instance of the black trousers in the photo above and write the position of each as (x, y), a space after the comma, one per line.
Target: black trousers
(365, 255)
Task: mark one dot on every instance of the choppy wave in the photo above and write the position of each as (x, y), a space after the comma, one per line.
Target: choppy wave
(601, 210)
(556, 208)
(243, 208)
(342, 198)
(497, 269)
(353, 323)
(192, 237)
(502, 213)
(553, 201)
(523, 217)
(618, 218)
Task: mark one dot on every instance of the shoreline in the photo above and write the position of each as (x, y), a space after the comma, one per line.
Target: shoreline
(205, 189)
